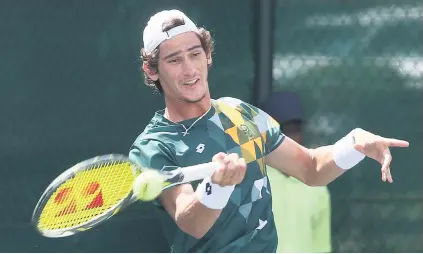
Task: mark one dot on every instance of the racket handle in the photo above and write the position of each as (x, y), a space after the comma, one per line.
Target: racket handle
(199, 172)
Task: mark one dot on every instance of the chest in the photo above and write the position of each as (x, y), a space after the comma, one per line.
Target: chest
(202, 143)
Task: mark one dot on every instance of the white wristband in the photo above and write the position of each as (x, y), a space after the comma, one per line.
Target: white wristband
(344, 153)
(212, 195)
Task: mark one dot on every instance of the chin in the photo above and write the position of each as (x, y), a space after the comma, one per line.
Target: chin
(194, 99)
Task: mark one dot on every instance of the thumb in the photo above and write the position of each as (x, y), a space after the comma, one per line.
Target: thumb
(359, 148)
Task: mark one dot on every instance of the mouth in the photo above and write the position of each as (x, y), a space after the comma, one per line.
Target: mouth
(191, 82)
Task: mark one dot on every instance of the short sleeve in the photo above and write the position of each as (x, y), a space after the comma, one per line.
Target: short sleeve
(271, 132)
(269, 128)
(151, 154)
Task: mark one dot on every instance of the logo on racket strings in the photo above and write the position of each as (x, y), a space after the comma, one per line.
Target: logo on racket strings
(91, 195)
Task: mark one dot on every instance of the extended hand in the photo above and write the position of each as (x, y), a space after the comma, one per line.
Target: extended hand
(377, 148)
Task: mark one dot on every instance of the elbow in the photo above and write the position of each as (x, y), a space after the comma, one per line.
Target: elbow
(191, 220)
(192, 229)
(314, 176)
(197, 234)
(190, 226)
(310, 179)
(315, 181)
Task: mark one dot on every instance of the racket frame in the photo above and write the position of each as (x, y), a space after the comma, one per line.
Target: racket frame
(69, 174)
(175, 177)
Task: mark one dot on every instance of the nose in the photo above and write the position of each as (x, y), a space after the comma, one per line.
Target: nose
(188, 67)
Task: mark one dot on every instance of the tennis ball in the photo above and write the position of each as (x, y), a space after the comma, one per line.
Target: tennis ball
(148, 185)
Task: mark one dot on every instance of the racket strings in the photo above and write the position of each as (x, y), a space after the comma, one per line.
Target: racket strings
(87, 195)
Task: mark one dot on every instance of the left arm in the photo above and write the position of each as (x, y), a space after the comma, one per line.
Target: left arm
(314, 167)
(317, 167)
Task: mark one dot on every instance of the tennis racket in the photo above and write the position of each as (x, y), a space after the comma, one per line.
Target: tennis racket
(96, 189)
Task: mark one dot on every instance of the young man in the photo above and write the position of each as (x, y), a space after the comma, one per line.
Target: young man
(232, 210)
(302, 213)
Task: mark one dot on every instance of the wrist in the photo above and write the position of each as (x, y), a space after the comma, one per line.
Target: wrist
(344, 153)
(213, 195)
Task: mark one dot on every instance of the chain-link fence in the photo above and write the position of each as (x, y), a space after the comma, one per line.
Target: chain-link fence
(354, 63)
(360, 63)
(71, 88)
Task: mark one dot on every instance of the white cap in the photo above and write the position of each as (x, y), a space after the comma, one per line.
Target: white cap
(153, 32)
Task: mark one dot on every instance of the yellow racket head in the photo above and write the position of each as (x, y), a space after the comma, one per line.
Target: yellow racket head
(86, 194)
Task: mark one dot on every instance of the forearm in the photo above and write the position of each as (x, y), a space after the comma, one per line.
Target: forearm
(196, 212)
(323, 168)
(332, 161)
(315, 167)
(193, 217)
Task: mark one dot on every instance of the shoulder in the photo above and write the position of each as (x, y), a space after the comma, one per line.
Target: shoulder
(248, 110)
(242, 107)
(156, 133)
(230, 101)
(150, 143)
(151, 152)
(151, 140)
(236, 103)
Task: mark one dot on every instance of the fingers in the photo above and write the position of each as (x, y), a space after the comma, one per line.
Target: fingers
(395, 142)
(386, 162)
(386, 175)
(242, 168)
(239, 171)
(218, 157)
(231, 162)
(232, 171)
(389, 176)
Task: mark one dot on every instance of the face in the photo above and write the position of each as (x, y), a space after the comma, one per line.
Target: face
(183, 68)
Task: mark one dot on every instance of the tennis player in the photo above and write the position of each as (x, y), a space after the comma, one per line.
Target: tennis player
(232, 210)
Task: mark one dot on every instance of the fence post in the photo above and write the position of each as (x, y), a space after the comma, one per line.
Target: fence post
(264, 19)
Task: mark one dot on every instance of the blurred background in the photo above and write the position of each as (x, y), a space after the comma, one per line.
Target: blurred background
(71, 88)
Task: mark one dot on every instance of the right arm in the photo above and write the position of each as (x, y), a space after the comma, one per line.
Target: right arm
(194, 212)
(187, 211)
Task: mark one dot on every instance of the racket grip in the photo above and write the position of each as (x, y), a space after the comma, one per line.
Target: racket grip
(199, 172)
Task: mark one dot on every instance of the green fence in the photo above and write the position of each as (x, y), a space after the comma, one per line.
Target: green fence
(70, 88)
(360, 63)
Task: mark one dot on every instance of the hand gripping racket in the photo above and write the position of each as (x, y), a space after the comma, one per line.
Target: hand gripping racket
(94, 190)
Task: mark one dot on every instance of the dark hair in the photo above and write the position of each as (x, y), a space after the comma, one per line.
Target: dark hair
(152, 59)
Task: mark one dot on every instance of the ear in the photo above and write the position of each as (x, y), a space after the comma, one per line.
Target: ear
(153, 75)
(209, 59)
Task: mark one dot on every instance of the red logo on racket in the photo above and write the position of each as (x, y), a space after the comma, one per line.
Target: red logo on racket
(67, 197)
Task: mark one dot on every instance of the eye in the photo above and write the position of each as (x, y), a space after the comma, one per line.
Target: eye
(195, 54)
(173, 61)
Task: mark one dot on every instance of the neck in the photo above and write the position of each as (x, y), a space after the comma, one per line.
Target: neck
(177, 111)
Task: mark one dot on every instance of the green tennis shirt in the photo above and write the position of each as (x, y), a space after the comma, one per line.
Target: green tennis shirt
(246, 224)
